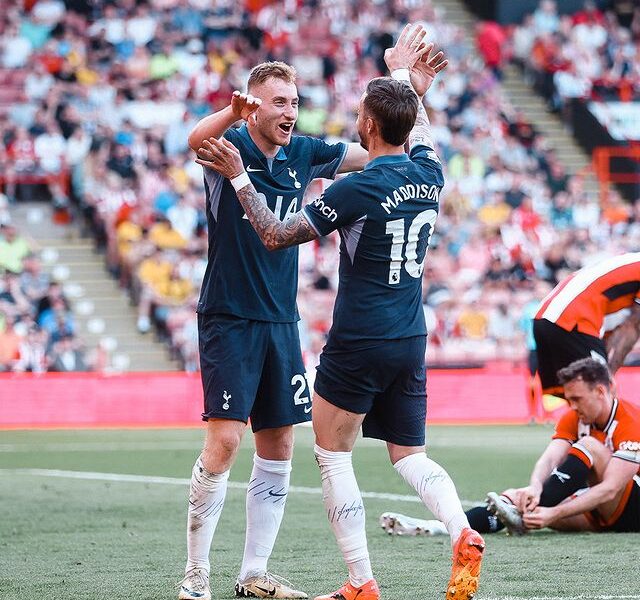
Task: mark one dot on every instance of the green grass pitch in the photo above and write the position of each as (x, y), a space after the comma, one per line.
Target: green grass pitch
(93, 539)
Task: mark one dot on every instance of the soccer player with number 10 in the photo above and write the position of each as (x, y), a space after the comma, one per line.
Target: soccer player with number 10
(372, 371)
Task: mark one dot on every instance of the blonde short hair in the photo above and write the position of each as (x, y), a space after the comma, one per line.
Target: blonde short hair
(279, 70)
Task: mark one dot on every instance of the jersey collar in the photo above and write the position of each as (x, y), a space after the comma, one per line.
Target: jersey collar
(244, 131)
(612, 416)
(386, 160)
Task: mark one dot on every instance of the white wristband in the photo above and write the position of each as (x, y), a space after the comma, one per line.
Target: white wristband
(240, 181)
(401, 75)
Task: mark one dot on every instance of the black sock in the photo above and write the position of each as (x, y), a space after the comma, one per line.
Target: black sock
(567, 478)
(483, 521)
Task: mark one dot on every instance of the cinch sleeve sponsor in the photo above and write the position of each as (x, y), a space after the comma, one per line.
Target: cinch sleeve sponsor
(334, 209)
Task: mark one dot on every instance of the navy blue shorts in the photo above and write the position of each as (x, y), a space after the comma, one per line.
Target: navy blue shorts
(386, 380)
(252, 369)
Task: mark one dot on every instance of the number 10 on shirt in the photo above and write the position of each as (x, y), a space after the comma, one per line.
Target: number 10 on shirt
(396, 229)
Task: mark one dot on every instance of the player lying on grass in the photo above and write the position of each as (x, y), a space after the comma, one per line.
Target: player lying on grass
(587, 479)
(372, 371)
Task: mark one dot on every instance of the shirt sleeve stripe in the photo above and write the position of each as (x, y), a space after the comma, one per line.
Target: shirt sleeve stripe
(627, 455)
(345, 147)
(309, 218)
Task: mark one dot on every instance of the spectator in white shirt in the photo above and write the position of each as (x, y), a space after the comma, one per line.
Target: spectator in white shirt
(16, 49)
(545, 18)
(38, 82)
(50, 148)
(141, 28)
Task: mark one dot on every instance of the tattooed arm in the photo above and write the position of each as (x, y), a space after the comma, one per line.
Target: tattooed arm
(421, 132)
(275, 234)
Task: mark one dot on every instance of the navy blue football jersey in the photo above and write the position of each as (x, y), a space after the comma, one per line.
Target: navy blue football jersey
(243, 278)
(385, 216)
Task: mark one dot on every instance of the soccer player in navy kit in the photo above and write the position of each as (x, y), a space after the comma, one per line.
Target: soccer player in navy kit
(372, 371)
(250, 354)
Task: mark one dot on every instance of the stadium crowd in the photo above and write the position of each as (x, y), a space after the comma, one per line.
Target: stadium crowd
(589, 54)
(37, 326)
(111, 91)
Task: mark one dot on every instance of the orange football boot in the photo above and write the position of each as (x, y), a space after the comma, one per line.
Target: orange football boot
(465, 572)
(368, 591)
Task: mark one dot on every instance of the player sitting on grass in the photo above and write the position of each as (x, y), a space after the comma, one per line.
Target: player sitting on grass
(587, 479)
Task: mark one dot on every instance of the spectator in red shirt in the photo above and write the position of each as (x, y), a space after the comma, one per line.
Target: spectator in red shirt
(490, 39)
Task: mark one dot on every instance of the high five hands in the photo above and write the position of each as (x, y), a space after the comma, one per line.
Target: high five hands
(413, 53)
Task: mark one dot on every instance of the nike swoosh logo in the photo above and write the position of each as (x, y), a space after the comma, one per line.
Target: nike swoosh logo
(250, 170)
(276, 495)
(191, 592)
(266, 591)
(307, 409)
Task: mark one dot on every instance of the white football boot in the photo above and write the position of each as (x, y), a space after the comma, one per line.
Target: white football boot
(266, 585)
(195, 586)
(397, 524)
(501, 507)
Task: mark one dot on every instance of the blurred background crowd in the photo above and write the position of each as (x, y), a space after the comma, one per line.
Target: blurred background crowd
(97, 100)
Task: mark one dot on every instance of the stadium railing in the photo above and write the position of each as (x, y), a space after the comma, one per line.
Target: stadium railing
(625, 173)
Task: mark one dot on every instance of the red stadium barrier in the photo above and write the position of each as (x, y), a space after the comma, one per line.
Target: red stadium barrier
(50, 400)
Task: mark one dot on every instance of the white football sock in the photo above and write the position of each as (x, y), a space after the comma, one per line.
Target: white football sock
(206, 499)
(436, 490)
(345, 511)
(266, 497)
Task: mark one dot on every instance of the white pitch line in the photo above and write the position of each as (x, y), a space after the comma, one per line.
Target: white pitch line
(100, 446)
(126, 478)
(581, 597)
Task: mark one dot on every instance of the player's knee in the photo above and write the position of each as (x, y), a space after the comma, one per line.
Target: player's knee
(595, 451)
(275, 444)
(397, 453)
(220, 451)
(592, 444)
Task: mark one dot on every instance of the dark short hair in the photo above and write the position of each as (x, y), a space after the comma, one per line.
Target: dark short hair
(589, 370)
(393, 105)
(279, 70)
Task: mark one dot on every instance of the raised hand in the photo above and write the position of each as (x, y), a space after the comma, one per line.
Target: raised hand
(221, 156)
(408, 49)
(424, 70)
(244, 105)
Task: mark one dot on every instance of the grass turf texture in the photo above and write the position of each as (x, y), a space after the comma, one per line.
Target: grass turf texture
(89, 540)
